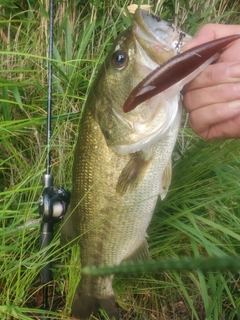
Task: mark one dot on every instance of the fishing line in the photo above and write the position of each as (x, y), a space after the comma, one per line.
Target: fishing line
(49, 99)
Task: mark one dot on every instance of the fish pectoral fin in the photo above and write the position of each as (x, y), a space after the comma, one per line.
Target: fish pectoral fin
(140, 254)
(166, 180)
(132, 173)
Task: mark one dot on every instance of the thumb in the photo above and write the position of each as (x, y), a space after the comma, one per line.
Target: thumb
(205, 34)
(210, 32)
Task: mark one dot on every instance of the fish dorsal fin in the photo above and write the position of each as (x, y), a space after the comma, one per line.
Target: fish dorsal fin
(140, 254)
(166, 180)
(132, 173)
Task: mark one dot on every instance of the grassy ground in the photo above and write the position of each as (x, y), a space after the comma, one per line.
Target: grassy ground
(201, 214)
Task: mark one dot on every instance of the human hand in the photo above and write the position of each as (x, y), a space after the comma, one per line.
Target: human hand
(213, 97)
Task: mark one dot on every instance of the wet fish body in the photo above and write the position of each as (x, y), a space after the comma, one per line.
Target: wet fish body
(122, 161)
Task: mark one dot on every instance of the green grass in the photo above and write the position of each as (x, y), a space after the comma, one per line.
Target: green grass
(199, 217)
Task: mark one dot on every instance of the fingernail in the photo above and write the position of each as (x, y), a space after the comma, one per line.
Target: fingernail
(234, 104)
(233, 71)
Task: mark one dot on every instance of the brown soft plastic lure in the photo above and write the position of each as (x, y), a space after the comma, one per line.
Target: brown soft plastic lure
(174, 70)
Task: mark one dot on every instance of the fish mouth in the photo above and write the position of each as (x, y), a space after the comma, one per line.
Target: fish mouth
(160, 39)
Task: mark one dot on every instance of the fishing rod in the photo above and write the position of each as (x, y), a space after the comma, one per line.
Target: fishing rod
(54, 199)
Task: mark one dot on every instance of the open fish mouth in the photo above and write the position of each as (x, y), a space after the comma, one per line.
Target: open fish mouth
(160, 29)
(160, 39)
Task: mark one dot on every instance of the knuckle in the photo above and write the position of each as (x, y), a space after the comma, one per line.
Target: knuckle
(205, 29)
(209, 75)
(197, 126)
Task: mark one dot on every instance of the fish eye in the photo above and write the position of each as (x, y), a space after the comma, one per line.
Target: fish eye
(119, 59)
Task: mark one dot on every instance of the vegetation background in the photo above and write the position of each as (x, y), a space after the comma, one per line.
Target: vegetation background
(201, 214)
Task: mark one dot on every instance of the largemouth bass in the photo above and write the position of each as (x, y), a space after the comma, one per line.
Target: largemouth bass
(122, 161)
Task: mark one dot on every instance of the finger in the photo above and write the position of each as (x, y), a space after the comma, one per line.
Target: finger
(219, 30)
(214, 95)
(230, 53)
(212, 121)
(225, 72)
(227, 129)
(210, 32)
(214, 31)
